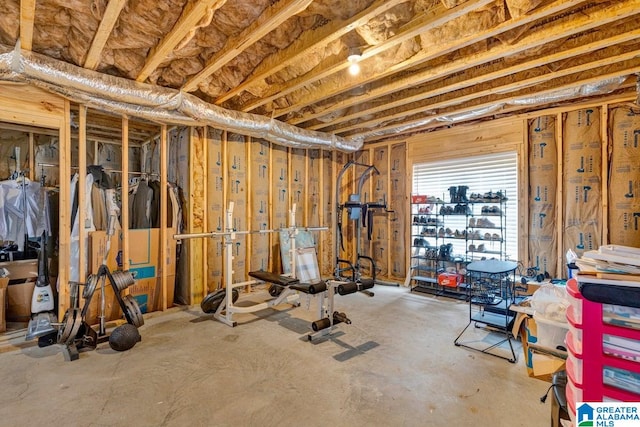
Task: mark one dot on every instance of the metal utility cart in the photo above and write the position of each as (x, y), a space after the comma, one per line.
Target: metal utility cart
(490, 293)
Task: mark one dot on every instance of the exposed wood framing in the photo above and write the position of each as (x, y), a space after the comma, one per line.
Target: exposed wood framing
(523, 192)
(124, 211)
(225, 193)
(249, 221)
(560, 205)
(164, 250)
(270, 19)
(272, 237)
(190, 20)
(109, 19)
(205, 211)
(584, 23)
(27, 16)
(64, 217)
(484, 107)
(321, 218)
(307, 43)
(196, 222)
(32, 157)
(82, 195)
(407, 228)
(512, 75)
(335, 65)
(307, 199)
(334, 216)
(453, 98)
(604, 137)
(428, 54)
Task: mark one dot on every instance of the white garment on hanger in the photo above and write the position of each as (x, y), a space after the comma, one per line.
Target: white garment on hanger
(21, 210)
(74, 268)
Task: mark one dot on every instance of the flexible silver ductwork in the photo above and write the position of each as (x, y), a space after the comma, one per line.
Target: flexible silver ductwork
(158, 104)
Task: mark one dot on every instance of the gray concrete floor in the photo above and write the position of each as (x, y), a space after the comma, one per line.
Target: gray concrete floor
(396, 365)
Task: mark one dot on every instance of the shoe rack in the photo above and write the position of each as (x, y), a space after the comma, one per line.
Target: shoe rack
(447, 235)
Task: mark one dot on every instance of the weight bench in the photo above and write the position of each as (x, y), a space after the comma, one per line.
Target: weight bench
(283, 281)
(307, 280)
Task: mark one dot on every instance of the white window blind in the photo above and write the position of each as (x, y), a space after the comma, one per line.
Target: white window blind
(491, 172)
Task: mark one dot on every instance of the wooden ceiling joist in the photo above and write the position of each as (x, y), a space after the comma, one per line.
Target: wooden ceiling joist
(425, 55)
(416, 92)
(109, 19)
(27, 16)
(307, 43)
(191, 16)
(505, 84)
(270, 19)
(541, 91)
(336, 65)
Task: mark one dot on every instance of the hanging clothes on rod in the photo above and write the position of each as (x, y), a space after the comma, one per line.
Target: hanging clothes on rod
(21, 210)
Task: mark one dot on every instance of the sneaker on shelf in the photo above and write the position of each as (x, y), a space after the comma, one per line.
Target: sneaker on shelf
(496, 237)
(487, 236)
(481, 248)
(441, 232)
(488, 223)
(448, 232)
(472, 248)
(472, 222)
(480, 222)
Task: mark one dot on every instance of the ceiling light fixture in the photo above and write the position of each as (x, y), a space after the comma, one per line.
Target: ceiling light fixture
(355, 55)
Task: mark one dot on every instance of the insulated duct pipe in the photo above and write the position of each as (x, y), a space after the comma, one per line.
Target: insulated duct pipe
(155, 103)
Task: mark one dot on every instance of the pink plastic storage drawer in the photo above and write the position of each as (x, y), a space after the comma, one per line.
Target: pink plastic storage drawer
(574, 335)
(576, 300)
(574, 365)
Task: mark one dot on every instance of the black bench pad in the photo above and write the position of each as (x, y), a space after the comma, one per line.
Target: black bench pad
(274, 278)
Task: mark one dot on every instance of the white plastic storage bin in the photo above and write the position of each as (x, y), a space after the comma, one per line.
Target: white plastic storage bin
(551, 334)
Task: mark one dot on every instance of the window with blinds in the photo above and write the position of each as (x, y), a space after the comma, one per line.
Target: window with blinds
(492, 172)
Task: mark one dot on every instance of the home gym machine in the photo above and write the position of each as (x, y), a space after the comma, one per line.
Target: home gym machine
(303, 278)
(361, 213)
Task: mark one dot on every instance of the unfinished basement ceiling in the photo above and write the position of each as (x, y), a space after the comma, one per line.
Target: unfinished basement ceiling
(425, 63)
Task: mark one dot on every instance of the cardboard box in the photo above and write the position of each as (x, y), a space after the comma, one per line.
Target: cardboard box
(148, 293)
(144, 251)
(19, 301)
(112, 308)
(21, 270)
(98, 248)
(4, 282)
(540, 364)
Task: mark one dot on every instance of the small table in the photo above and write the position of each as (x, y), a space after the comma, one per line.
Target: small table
(490, 289)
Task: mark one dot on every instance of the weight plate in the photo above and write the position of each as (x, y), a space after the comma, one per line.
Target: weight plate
(133, 310)
(64, 331)
(275, 290)
(122, 279)
(70, 324)
(77, 322)
(211, 302)
(90, 286)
